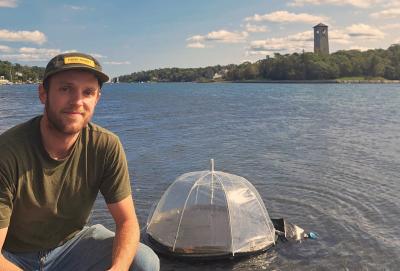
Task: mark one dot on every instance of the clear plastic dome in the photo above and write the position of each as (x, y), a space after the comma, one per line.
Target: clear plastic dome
(211, 213)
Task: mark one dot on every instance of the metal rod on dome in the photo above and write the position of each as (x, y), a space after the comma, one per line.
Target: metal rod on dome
(212, 180)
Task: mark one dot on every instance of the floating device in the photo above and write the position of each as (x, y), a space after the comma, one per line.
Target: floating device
(287, 231)
(210, 214)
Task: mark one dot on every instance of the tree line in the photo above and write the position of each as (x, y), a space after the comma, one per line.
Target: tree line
(173, 75)
(378, 63)
(18, 73)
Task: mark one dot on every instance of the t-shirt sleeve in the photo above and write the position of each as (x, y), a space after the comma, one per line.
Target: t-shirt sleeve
(6, 197)
(115, 185)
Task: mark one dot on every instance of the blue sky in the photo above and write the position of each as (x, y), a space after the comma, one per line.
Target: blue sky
(129, 36)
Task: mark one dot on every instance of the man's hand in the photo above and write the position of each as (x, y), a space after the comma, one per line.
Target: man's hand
(127, 234)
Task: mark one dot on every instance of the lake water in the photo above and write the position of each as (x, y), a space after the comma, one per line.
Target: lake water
(323, 156)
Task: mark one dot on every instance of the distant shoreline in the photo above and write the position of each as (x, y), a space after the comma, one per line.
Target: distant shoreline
(333, 81)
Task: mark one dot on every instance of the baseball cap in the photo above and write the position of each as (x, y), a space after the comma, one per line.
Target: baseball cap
(72, 61)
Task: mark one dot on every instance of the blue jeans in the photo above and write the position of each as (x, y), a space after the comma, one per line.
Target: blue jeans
(90, 249)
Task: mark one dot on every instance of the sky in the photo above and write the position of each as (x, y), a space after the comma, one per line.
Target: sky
(130, 36)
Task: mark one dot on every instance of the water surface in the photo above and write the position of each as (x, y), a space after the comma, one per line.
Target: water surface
(326, 157)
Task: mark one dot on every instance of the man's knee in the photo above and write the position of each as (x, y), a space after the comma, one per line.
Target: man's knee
(99, 232)
(145, 259)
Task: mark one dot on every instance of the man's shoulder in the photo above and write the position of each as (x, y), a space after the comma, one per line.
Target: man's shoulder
(102, 140)
(99, 131)
(101, 136)
(15, 134)
(16, 141)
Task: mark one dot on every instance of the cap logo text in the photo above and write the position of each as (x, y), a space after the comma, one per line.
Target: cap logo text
(79, 60)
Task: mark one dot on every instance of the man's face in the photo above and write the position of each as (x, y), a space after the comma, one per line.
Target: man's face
(70, 100)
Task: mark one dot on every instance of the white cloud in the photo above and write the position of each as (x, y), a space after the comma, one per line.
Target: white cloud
(226, 36)
(117, 62)
(387, 14)
(339, 36)
(296, 43)
(30, 50)
(70, 51)
(33, 54)
(8, 3)
(269, 45)
(256, 28)
(197, 45)
(392, 4)
(302, 36)
(395, 26)
(78, 8)
(360, 48)
(222, 36)
(355, 3)
(244, 60)
(290, 44)
(36, 54)
(95, 55)
(43, 54)
(5, 49)
(196, 38)
(364, 31)
(283, 16)
(22, 57)
(24, 36)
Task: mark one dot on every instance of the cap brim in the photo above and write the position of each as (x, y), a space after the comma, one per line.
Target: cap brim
(100, 75)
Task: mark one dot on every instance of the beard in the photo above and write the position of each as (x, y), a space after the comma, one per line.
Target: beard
(58, 123)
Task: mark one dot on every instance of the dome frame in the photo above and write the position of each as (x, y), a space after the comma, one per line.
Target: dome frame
(210, 214)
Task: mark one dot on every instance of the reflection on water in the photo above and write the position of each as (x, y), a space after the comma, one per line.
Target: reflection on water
(325, 157)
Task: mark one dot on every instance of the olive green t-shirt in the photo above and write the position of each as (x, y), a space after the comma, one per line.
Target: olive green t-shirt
(45, 202)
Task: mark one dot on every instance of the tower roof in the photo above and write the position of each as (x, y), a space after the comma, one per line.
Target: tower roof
(320, 25)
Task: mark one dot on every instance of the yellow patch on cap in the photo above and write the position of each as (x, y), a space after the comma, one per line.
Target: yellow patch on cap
(79, 60)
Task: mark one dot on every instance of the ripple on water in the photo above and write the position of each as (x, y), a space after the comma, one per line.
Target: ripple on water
(325, 157)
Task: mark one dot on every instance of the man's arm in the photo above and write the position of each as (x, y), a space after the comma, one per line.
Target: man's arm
(4, 263)
(127, 234)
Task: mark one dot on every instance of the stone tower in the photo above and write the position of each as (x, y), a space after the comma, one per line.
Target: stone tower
(321, 42)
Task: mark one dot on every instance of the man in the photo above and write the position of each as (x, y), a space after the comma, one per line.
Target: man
(51, 170)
